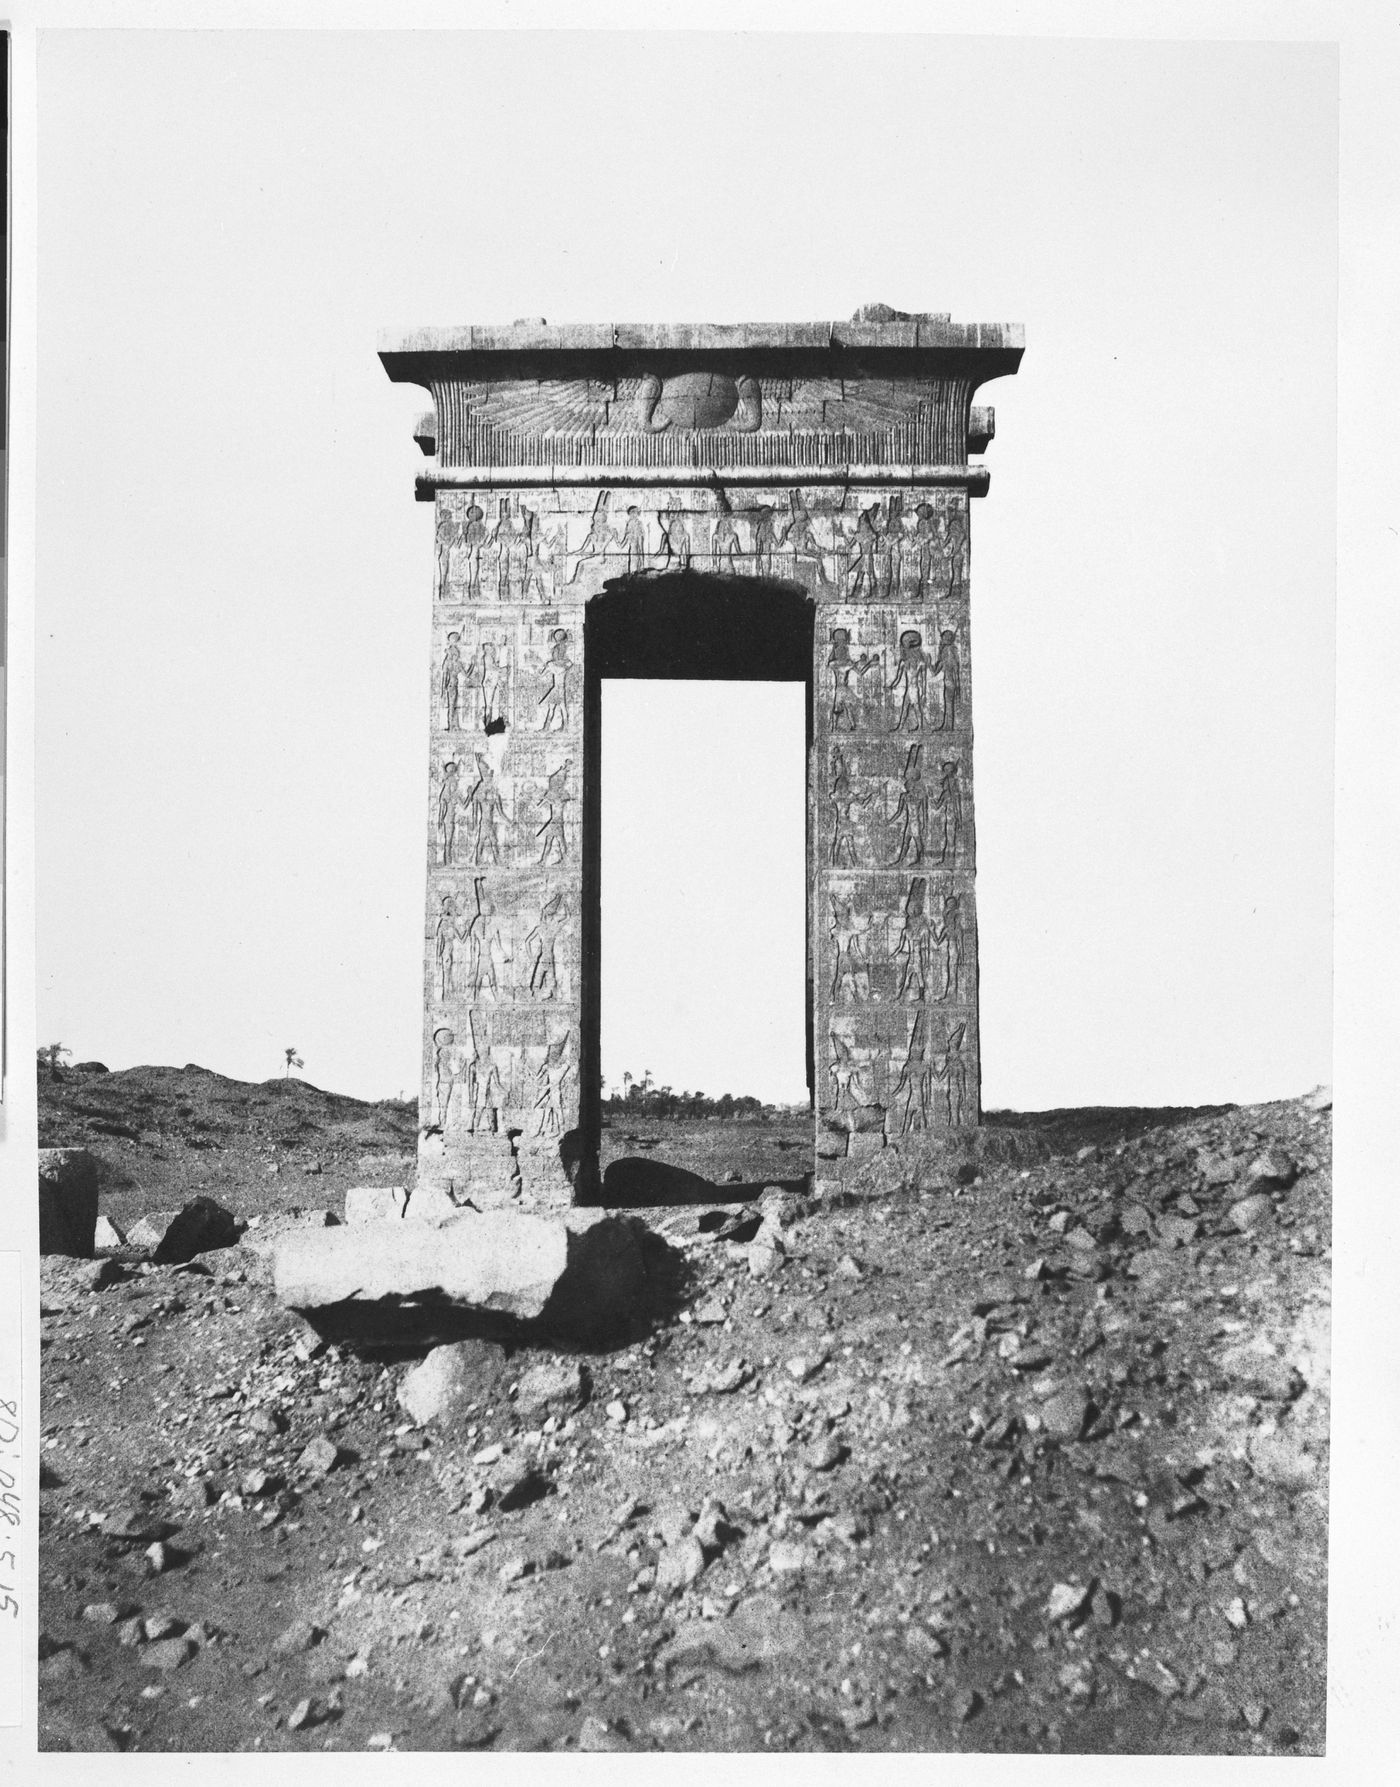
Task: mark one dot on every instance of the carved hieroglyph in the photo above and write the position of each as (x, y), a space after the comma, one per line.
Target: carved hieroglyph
(831, 457)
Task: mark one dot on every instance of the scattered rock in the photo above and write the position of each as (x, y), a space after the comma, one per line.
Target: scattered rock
(319, 1457)
(168, 1653)
(1281, 1459)
(1275, 1169)
(450, 1380)
(300, 1636)
(596, 1734)
(551, 1388)
(101, 1613)
(680, 1565)
(1063, 1415)
(786, 1556)
(1066, 1601)
(1250, 1212)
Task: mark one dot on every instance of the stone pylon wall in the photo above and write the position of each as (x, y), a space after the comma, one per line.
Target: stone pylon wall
(832, 457)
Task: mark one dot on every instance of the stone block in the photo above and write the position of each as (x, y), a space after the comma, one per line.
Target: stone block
(374, 1203)
(67, 1201)
(578, 1275)
(173, 1236)
(431, 1204)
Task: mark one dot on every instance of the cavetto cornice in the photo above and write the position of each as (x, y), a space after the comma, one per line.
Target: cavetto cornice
(885, 398)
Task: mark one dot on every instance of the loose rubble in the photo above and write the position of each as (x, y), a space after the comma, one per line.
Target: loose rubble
(1031, 1456)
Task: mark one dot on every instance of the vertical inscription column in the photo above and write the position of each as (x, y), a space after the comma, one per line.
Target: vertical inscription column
(500, 1098)
(894, 916)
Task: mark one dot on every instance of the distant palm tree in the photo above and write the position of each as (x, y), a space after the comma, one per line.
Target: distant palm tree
(51, 1056)
(293, 1060)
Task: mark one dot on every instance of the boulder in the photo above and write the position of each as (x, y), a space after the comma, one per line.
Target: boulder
(450, 1380)
(579, 1273)
(67, 1201)
(374, 1203)
(173, 1236)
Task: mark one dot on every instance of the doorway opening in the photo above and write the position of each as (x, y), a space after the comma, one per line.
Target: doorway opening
(696, 883)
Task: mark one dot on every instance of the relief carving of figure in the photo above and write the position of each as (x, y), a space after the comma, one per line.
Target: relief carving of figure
(553, 842)
(891, 548)
(554, 703)
(800, 538)
(488, 1096)
(846, 702)
(910, 682)
(452, 1068)
(851, 967)
(849, 1089)
(450, 683)
(447, 536)
(951, 1075)
(464, 557)
(911, 815)
(551, 1081)
(449, 808)
(599, 538)
(914, 1089)
(489, 956)
(862, 549)
(675, 537)
(554, 552)
(486, 812)
(950, 938)
(447, 936)
(947, 670)
(542, 971)
(513, 544)
(843, 805)
(953, 538)
(948, 803)
(913, 949)
(765, 538)
(494, 678)
(634, 540)
(924, 548)
(724, 542)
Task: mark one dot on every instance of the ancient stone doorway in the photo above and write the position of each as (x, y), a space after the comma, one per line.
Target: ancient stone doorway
(694, 626)
(654, 494)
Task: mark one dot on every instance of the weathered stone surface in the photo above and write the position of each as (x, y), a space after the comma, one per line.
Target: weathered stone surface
(173, 1236)
(374, 1203)
(450, 1380)
(67, 1201)
(580, 1274)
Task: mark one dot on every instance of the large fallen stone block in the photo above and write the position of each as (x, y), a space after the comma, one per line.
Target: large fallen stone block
(67, 1201)
(578, 1274)
(173, 1236)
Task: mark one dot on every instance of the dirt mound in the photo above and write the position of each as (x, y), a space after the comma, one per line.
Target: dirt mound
(167, 1134)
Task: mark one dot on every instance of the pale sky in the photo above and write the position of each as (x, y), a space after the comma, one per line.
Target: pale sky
(234, 581)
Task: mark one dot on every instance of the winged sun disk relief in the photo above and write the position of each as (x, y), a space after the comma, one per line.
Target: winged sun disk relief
(589, 407)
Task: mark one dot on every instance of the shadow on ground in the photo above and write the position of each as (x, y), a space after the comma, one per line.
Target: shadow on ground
(637, 1183)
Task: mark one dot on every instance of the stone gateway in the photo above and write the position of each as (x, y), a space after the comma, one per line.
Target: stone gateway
(778, 502)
